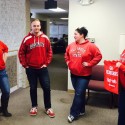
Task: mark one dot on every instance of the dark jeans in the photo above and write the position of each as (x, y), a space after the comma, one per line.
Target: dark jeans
(121, 107)
(80, 84)
(42, 75)
(5, 89)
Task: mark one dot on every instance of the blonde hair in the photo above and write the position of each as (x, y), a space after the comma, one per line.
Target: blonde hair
(35, 20)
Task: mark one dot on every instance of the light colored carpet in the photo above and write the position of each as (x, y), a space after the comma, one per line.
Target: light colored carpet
(20, 105)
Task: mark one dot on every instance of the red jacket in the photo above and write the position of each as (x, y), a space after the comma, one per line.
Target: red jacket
(77, 53)
(122, 69)
(35, 51)
(3, 49)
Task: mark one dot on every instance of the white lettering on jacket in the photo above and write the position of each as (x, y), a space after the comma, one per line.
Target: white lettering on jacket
(77, 52)
(37, 44)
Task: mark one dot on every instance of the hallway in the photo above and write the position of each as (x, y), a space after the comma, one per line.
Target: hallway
(58, 73)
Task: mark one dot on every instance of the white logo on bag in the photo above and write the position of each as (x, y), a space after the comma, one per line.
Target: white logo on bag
(110, 72)
(111, 85)
(110, 67)
(111, 80)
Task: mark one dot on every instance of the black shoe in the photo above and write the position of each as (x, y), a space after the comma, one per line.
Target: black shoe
(7, 114)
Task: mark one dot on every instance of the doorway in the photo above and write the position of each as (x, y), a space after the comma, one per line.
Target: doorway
(58, 72)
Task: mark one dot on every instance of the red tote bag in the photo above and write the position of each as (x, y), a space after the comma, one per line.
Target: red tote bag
(111, 78)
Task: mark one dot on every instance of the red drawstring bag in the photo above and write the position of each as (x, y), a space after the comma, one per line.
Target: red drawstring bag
(111, 79)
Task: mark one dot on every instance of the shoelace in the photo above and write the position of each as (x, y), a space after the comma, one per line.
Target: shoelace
(71, 117)
(50, 110)
(34, 109)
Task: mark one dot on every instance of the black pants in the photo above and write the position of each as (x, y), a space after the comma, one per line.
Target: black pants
(42, 75)
(121, 107)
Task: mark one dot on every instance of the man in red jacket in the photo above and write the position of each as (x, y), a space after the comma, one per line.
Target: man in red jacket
(35, 54)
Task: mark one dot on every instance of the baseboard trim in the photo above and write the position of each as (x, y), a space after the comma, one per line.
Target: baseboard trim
(71, 91)
(14, 89)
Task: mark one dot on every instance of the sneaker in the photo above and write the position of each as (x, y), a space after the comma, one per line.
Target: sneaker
(33, 111)
(70, 118)
(81, 113)
(50, 113)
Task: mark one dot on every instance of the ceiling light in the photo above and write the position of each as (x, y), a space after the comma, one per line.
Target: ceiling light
(64, 18)
(86, 2)
(58, 10)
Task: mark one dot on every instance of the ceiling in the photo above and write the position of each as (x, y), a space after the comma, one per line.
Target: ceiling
(37, 7)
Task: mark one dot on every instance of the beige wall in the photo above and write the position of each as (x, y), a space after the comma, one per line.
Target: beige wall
(13, 22)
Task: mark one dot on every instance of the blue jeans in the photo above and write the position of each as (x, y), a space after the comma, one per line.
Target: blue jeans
(80, 84)
(5, 89)
(42, 75)
(121, 108)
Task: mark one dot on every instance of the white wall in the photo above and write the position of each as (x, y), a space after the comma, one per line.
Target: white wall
(104, 20)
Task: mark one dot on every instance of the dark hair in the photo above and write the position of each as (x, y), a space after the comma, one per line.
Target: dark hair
(83, 31)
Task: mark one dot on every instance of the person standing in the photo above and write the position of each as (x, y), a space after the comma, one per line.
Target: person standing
(35, 54)
(4, 82)
(80, 57)
(121, 96)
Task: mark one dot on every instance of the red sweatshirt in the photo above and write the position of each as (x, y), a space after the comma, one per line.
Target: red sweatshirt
(3, 49)
(77, 53)
(122, 69)
(35, 51)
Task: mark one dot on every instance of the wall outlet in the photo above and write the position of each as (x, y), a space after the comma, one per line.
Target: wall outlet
(91, 40)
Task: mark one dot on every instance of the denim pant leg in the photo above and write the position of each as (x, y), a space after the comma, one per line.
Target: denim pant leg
(121, 108)
(45, 84)
(5, 88)
(32, 78)
(80, 85)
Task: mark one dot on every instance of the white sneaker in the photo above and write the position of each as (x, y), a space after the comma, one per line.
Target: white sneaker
(70, 118)
(50, 113)
(33, 111)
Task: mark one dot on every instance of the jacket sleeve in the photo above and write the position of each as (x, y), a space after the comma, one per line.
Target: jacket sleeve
(122, 68)
(97, 56)
(49, 53)
(67, 55)
(5, 48)
(22, 54)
